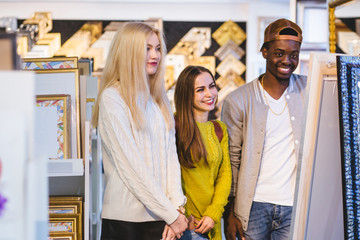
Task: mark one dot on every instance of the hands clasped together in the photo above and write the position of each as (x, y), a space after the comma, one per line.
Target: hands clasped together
(176, 229)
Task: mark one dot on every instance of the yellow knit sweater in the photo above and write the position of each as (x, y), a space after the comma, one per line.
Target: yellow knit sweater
(207, 187)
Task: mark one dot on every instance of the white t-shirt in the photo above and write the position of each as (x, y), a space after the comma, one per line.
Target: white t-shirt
(276, 180)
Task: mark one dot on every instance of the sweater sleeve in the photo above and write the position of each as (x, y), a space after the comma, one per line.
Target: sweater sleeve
(222, 182)
(231, 116)
(175, 191)
(116, 132)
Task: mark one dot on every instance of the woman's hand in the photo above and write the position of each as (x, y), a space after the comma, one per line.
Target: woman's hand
(204, 225)
(168, 233)
(179, 225)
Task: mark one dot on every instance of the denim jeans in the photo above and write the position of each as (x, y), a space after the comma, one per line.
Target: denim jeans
(192, 235)
(268, 222)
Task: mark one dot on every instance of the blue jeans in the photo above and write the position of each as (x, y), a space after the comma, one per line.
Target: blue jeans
(268, 222)
(192, 235)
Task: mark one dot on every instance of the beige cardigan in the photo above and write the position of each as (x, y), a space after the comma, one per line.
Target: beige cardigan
(245, 113)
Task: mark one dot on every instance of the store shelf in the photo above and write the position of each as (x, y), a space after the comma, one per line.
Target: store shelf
(65, 167)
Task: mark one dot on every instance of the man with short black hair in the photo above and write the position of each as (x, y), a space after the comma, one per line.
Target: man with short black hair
(264, 124)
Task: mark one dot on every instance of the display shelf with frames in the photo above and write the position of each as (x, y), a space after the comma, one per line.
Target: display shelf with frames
(69, 177)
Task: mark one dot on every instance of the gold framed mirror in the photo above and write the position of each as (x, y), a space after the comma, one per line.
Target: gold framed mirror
(335, 25)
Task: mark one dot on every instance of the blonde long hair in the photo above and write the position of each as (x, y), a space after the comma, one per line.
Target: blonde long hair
(125, 69)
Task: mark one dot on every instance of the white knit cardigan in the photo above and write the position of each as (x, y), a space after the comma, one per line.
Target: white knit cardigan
(143, 177)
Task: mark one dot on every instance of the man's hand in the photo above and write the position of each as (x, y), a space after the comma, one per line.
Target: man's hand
(204, 225)
(232, 225)
(179, 225)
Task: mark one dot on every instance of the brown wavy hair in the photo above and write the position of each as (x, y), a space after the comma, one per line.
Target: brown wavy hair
(190, 147)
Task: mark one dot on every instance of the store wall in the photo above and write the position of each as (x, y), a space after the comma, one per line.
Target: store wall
(170, 10)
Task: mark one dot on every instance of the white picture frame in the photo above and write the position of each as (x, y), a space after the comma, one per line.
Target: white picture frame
(312, 18)
(63, 81)
(318, 173)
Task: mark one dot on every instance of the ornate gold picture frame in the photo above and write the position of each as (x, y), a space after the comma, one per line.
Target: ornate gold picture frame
(49, 63)
(66, 223)
(62, 104)
(62, 236)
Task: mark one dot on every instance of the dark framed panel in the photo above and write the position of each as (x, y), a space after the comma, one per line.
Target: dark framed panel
(8, 50)
(348, 68)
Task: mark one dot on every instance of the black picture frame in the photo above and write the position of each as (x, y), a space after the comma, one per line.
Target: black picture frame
(348, 68)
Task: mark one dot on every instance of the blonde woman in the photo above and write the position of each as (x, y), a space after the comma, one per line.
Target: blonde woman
(143, 181)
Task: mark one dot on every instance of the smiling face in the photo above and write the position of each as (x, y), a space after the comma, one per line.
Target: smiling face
(205, 94)
(153, 54)
(282, 58)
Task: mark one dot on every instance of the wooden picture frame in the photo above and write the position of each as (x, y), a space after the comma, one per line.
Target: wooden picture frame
(49, 63)
(85, 66)
(65, 198)
(62, 104)
(66, 223)
(62, 236)
(75, 203)
(348, 84)
(63, 209)
(63, 81)
(8, 47)
(318, 173)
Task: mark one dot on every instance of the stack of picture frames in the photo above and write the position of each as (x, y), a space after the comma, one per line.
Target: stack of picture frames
(65, 218)
(60, 88)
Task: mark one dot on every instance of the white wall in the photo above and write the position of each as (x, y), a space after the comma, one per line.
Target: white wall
(130, 10)
(169, 10)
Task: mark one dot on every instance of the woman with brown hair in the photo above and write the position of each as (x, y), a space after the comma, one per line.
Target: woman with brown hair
(203, 152)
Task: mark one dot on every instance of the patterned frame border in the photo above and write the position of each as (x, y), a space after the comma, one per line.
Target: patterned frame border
(49, 63)
(69, 204)
(348, 68)
(64, 219)
(63, 105)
